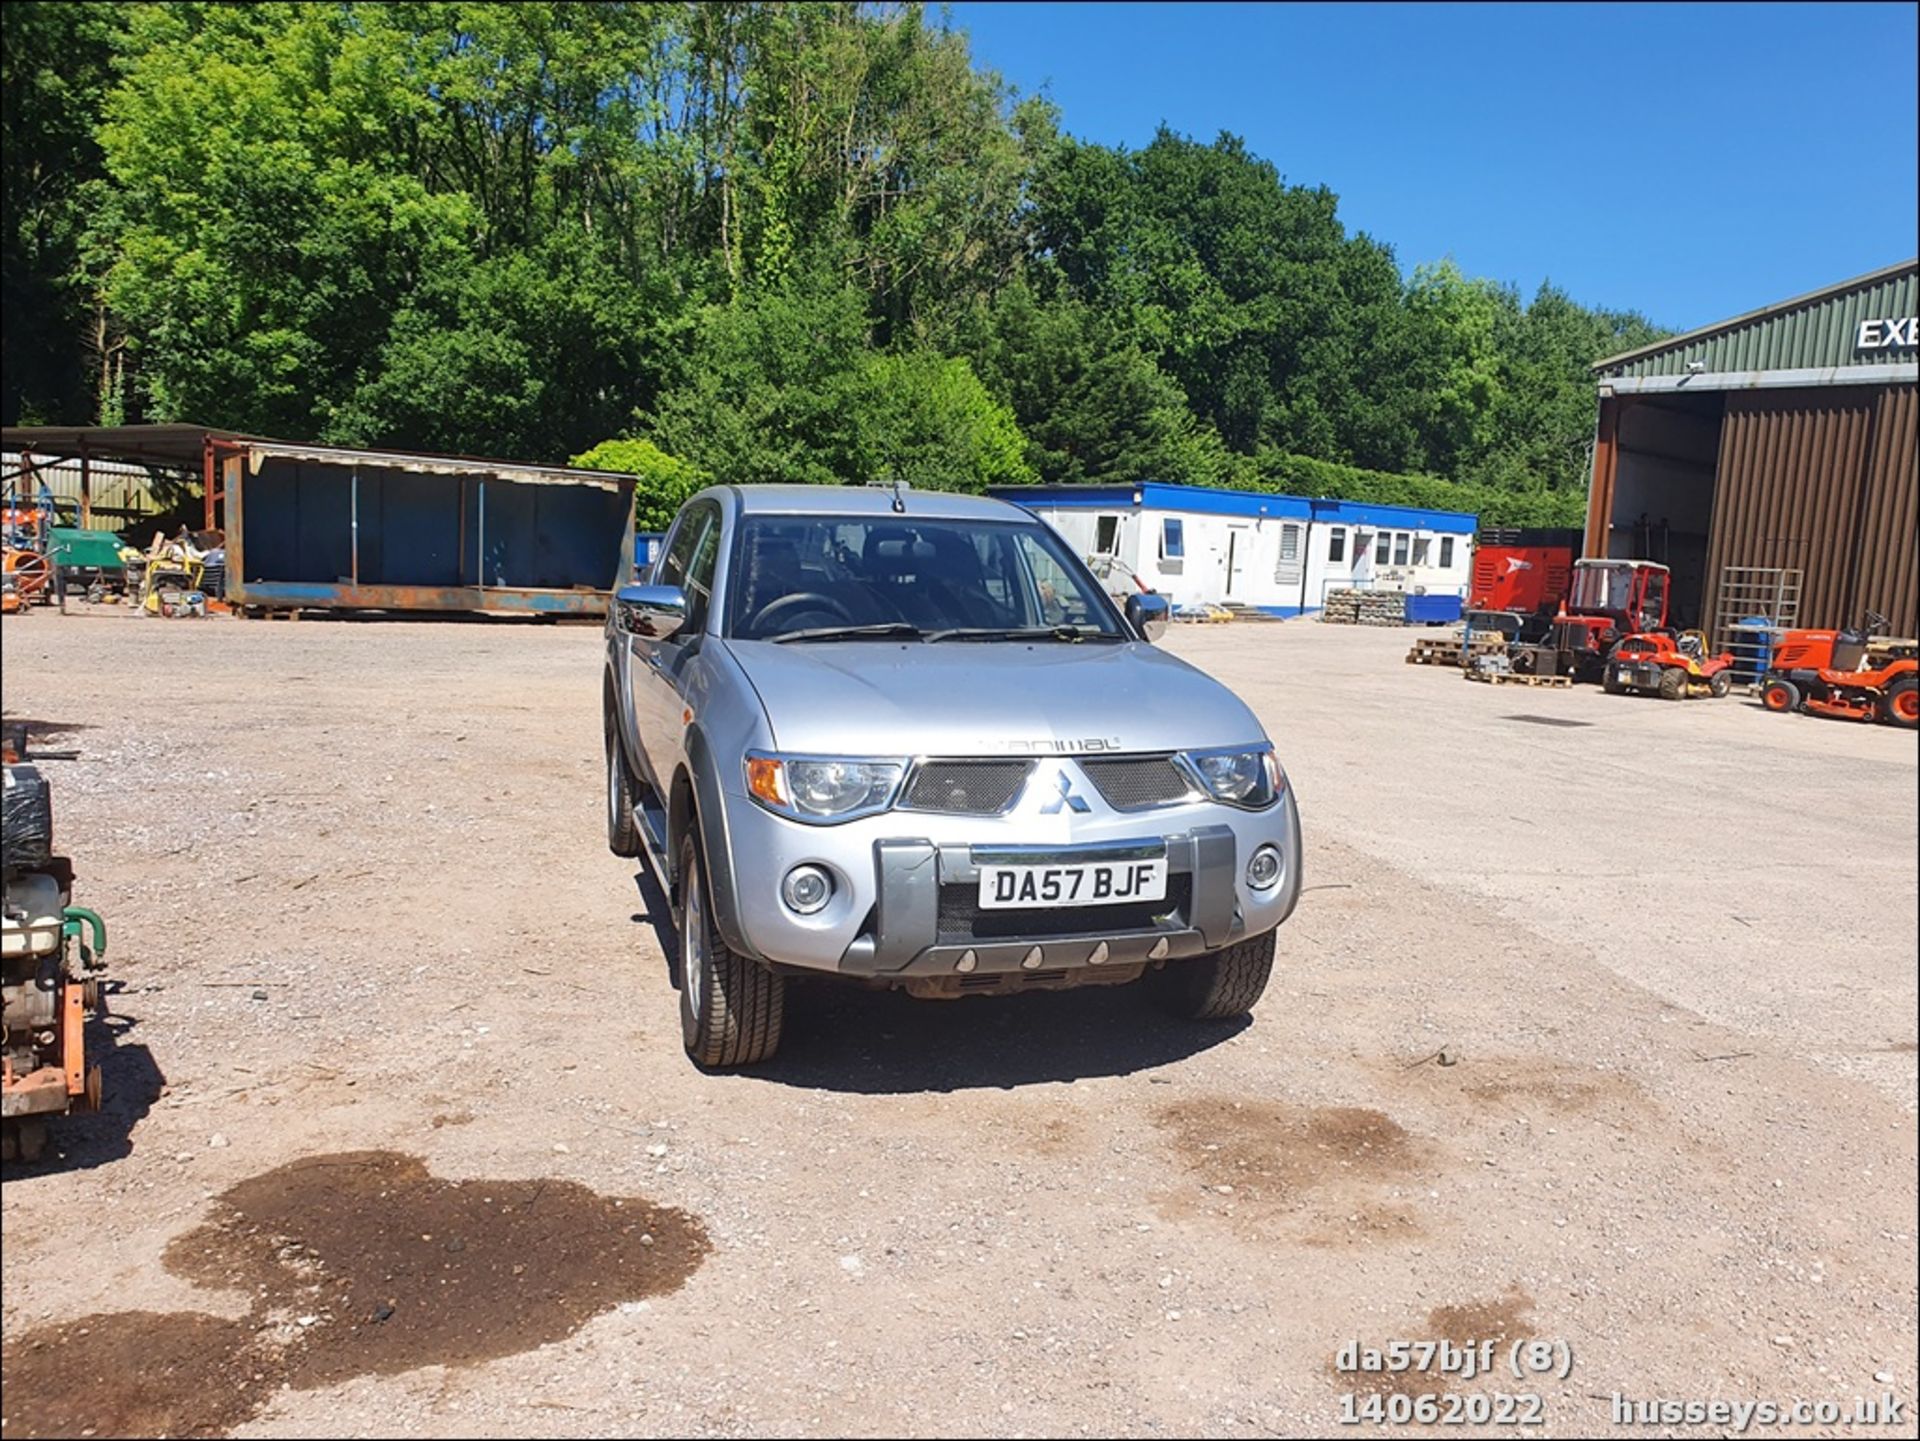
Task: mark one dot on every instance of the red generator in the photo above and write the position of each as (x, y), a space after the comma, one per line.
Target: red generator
(1520, 576)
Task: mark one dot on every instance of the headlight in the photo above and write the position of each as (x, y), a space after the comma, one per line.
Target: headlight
(1248, 776)
(822, 789)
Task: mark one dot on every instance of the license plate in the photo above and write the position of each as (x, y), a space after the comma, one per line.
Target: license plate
(1090, 883)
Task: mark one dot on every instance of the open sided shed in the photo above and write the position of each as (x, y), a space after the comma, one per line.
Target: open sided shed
(325, 527)
(1770, 460)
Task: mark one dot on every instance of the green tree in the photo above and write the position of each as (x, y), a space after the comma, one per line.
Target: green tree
(664, 485)
(55, 64)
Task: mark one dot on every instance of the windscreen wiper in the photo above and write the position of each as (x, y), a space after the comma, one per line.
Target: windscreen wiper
(1033, 632)
(885, 631)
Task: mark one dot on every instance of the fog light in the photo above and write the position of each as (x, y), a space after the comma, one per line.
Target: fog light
(806, 889)
(1263, 871)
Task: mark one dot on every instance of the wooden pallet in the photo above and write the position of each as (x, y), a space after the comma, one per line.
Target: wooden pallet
(1514, 677)
(1449, 650)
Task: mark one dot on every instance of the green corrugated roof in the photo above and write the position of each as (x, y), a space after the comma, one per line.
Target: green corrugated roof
(1808, 332)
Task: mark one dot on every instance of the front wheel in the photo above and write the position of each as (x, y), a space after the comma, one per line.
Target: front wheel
(1611, 683)
(1220, 985)
(731, 1007)
(1673, 684)
(1780, 696)
(1721, 683)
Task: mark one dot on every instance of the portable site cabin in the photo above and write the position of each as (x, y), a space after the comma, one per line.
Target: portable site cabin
(328, 528)
(1279, 554)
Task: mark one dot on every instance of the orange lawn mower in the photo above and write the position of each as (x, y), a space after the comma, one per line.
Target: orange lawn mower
(1672, 667)
(1837, 673)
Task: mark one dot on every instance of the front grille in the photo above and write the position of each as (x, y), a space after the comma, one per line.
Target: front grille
(978, 788)
(962, 920)
(1138, 782)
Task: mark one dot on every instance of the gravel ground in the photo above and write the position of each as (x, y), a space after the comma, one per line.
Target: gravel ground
(359, 902)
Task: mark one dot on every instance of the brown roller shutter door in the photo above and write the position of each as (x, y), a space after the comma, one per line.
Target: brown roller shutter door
(1822, 481)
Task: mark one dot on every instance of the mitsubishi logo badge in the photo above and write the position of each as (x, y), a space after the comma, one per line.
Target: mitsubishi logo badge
(1066, 798)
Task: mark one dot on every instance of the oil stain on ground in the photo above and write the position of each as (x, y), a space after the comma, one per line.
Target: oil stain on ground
(1500, 1319)
(1338, 1169)
(355, 1264)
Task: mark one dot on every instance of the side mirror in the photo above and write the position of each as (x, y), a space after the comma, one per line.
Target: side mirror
(1148, 613)
(653, 612)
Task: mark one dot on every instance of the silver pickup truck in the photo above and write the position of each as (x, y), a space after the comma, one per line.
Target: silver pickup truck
(903, 737)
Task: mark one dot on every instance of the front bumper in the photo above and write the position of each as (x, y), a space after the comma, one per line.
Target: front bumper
(903, 902)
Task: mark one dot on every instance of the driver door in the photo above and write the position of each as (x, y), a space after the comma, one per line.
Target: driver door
(655, 667)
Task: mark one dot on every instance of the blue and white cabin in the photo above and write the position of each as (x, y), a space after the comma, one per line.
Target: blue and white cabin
(1276, 553)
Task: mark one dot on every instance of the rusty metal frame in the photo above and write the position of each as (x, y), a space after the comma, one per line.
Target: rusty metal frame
(1606, 467)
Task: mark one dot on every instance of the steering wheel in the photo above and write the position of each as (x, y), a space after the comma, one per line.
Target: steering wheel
(801, 600)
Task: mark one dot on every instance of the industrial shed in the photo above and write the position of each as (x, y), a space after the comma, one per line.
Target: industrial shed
(329, 528)
(1770, 460)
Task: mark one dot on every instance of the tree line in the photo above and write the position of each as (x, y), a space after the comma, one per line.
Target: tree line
(751, 241)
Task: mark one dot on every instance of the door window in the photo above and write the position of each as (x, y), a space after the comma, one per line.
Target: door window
(1106, 534)
(1653, 606)
(687, 533)
(699, 582)
(1420, 546)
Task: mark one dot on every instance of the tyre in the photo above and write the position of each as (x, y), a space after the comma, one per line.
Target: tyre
(1673, 684)
(1901, 704)
(1611, 683)
(1220, 985)
(623, 830)
(1781, 696)
(731, 1007)
(1721, 683)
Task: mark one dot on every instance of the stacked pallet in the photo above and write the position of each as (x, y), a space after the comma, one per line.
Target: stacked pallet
(1365, 607)
(1452, 649)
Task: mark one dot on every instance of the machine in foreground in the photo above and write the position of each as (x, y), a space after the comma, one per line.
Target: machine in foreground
(49, 974)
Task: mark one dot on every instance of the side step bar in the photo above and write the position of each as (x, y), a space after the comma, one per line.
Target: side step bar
(653, 842)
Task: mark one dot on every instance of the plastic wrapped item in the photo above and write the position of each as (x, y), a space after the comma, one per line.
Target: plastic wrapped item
(26, 819)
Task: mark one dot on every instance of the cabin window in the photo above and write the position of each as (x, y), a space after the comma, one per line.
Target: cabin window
(1289, 542)
(1401, 540)
(1106, 534)
(1173, 540)
(1446, 552)
(1382, 548)
(1337, 545)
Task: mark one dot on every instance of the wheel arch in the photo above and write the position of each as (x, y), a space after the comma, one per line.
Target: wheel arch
(695, 803)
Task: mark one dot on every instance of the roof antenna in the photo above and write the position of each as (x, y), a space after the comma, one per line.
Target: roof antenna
(900, 488)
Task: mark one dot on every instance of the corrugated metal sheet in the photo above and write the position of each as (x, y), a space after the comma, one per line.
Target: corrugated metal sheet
(121, 493)
(1812, 331)
(1888, 577)
(1808, 480)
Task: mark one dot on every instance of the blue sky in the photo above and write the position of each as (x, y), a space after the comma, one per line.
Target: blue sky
(1689, 161)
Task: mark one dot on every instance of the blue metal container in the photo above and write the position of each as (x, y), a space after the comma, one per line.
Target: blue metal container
(1432, 609)
(324, 528)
